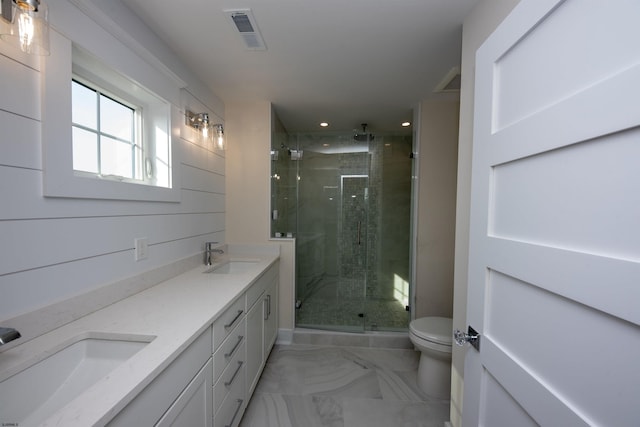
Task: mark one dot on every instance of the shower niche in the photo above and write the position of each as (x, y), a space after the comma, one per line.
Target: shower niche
(346, 199)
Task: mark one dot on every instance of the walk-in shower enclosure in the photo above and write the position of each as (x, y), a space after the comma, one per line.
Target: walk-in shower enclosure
(347, 201)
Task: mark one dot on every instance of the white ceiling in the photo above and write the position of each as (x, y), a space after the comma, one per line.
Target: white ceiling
(346, 62)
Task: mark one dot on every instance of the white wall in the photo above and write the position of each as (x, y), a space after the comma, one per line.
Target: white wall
(436, 206)
(53, 249)
(248, 184)
(477, 27)
(249, 168)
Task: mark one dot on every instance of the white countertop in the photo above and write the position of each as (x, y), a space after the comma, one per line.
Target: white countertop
(175, 312)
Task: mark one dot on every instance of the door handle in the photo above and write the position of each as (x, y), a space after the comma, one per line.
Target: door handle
(267, 307)
(471, 336)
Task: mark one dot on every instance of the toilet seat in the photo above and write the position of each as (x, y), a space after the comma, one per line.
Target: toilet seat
(434, 329)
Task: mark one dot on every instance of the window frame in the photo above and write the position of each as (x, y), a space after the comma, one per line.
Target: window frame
(129, 74)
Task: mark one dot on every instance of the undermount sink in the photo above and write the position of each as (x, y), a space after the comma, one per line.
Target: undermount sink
(35, 393)
(233, 267)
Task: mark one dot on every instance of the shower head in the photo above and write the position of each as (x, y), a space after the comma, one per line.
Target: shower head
(364, 136)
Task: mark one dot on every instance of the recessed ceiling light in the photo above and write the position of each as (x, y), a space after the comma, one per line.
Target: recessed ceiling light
(406, 124)
(324, 124)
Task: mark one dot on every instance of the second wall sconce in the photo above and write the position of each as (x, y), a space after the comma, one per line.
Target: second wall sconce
(219, 136)
(201, 122)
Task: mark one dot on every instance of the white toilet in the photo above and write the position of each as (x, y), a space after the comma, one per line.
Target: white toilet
(432, 336)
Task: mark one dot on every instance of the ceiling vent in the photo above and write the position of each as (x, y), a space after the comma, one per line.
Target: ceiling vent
(244, 22)
(450, 82)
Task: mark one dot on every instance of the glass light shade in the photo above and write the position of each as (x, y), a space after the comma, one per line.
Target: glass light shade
(29, 29)
(219, 137)
(204, 119)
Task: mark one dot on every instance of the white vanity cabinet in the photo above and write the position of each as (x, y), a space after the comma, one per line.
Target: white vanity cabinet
(241, 369)
(262, 324)
(211, 382)
(180, 395)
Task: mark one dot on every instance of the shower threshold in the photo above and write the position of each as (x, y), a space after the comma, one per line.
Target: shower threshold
(372, 339)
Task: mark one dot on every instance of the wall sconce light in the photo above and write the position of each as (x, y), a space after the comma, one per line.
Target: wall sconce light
(26, 25)
(201, 122)
(220, 143)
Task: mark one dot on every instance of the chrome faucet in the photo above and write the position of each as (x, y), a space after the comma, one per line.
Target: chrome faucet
(209, 251)
(8, 334)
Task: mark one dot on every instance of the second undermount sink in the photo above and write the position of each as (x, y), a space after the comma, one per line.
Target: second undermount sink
(35, 393)
(233, 267)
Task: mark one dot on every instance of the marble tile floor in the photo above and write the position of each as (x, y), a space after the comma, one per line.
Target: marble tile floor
(318, 386)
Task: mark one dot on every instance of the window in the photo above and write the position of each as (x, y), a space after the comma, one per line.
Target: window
(106, 140)
(120, 129)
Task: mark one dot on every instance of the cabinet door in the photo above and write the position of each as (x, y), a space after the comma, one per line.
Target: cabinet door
(194, 405)
(270, 316)
(254, 345)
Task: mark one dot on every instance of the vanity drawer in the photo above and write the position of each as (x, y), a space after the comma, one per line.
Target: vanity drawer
(230, 377)
(232, 346)
(233, 406)
(224, 324)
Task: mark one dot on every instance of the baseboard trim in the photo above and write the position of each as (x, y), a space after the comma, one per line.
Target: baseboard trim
(285, 337)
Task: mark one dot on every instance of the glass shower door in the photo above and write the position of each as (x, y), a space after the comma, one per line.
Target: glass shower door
(331, 233)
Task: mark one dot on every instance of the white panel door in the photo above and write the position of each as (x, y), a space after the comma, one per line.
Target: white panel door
(554, 267)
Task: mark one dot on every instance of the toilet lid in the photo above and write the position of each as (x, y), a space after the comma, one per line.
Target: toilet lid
(435, 329)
